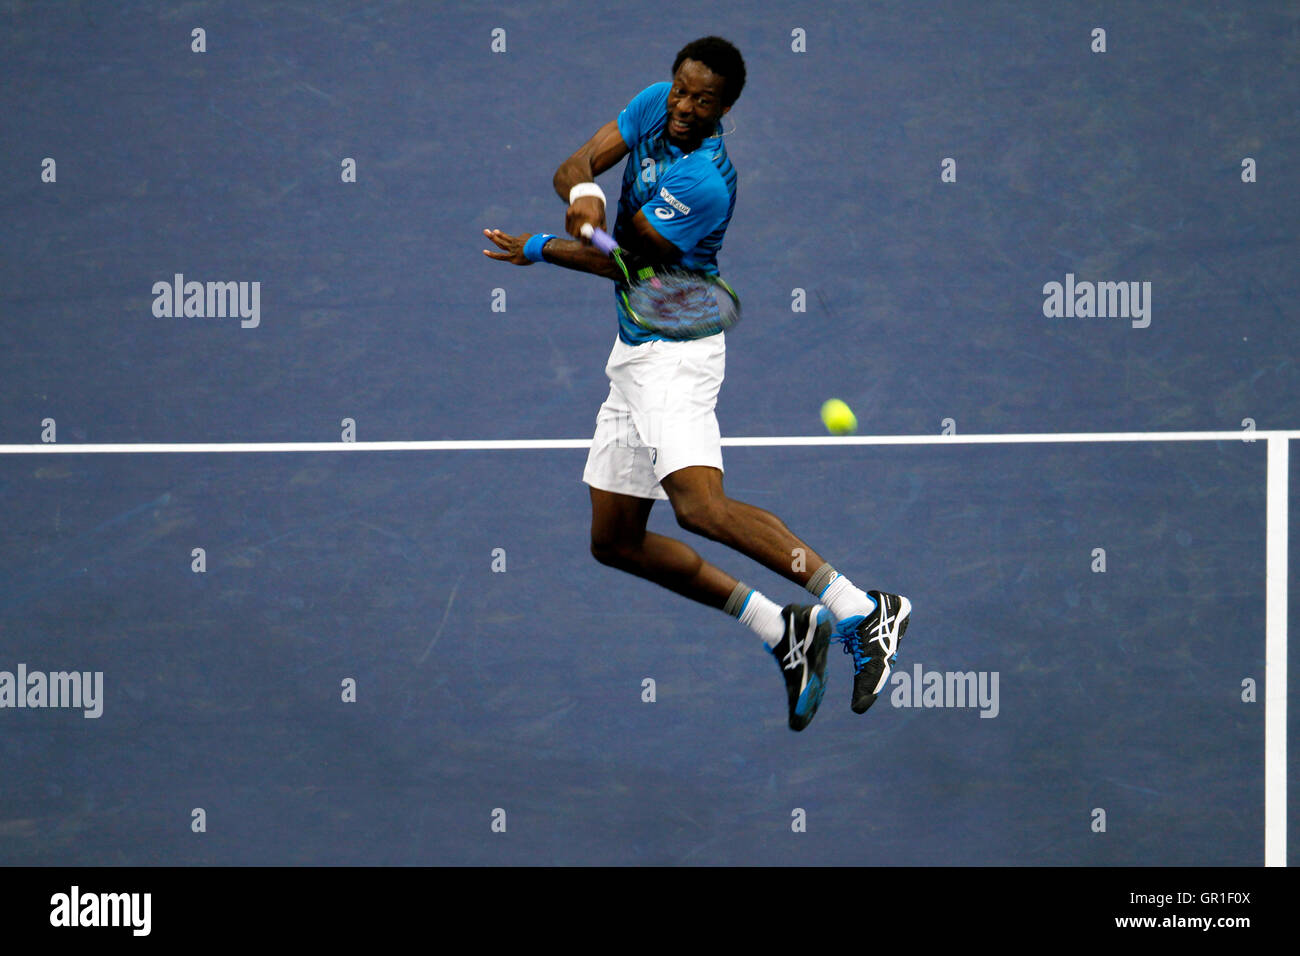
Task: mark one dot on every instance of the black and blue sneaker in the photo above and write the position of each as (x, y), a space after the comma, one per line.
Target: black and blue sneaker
(801, 653)
(873, 641)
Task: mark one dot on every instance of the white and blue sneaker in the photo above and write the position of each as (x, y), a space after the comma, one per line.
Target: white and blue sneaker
(873, 641)
(801, 653)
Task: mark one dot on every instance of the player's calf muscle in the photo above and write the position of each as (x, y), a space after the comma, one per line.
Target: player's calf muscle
(755, 533)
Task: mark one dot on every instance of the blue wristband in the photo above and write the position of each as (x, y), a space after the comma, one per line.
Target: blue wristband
(533, 247)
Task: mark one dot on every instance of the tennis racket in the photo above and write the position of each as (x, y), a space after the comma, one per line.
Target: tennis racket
(676, 303)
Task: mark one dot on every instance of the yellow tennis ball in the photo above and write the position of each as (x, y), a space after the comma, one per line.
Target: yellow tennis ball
(839, 418)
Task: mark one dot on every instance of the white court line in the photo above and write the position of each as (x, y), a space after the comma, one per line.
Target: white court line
(1275, 674)
(512, 444)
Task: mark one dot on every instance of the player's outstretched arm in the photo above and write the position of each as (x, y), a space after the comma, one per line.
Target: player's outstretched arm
(643, 245)
(594, 157)
(569, 253)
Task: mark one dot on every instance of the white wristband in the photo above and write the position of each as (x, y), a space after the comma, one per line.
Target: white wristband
(586, 189)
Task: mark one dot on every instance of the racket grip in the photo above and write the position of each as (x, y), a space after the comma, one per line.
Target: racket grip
(599, 238)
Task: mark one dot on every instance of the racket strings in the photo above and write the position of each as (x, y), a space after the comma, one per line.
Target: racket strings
(677, 300)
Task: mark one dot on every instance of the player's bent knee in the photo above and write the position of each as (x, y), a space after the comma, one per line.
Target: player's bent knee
(612, 554)
(705, 518)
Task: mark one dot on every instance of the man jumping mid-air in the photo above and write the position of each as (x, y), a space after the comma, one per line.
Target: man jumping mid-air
(657, 435)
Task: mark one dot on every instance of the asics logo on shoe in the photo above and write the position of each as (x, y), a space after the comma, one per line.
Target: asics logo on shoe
(796, 657)
(881, 632)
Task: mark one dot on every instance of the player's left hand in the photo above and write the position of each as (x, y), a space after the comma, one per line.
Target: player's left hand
(512, 246)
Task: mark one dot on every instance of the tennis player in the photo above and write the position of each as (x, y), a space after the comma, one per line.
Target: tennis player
(657, 435)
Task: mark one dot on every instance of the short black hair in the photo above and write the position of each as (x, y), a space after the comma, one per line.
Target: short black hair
(722, 58)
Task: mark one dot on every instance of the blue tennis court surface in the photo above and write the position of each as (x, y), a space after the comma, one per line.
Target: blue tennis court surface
(497, 667)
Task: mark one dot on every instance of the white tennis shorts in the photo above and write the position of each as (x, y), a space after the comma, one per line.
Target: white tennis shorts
(659, 416)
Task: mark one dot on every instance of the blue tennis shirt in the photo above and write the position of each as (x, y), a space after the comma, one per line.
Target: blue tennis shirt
(687, 197)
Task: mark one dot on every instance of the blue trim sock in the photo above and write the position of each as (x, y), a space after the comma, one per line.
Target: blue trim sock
(840, 595)
(757, 613)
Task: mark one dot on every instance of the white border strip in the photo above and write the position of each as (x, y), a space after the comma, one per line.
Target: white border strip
(512, 444)
(1275, 672)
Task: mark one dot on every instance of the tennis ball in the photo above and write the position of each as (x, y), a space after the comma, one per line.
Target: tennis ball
(839, 418)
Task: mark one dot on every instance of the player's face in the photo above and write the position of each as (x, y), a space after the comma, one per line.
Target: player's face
(694, 104)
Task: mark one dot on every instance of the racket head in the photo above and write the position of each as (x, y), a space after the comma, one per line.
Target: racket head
(680, 304)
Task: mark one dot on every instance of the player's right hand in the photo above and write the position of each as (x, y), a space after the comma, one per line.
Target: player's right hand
(587, 209)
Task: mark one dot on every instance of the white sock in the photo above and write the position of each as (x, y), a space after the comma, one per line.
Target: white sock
(845, 600)
(764, 618)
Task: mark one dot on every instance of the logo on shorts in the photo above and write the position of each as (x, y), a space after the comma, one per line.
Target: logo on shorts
(673, 201)
(654, 456)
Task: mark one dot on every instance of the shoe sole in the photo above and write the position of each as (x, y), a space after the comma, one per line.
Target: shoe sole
(900, 628)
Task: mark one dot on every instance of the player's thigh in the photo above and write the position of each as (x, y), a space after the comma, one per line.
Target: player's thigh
(618, 520)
